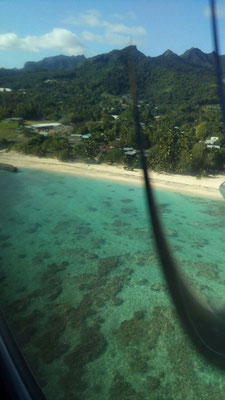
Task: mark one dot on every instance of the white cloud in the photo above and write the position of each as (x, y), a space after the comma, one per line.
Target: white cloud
(130, 15)
(108, 32)
(124, 29)
(8, 41)
(91, 37)
(91, 18)
(118, 40)
(60, 39)
(220, 11)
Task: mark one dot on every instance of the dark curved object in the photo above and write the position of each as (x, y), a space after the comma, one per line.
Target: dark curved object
(8, 167)
(205, 326)
(16, 379)
(218, 67)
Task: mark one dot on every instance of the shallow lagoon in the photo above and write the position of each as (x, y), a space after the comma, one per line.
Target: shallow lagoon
(82, 288)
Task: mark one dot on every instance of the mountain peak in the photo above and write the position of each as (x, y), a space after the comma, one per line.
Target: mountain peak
(55, 62)
(196, 56)
(192, 51)
(169, 53)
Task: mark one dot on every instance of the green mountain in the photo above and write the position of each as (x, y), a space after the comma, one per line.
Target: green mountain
(195, 56)
(62, 84)
(177, 101)
(54, 63)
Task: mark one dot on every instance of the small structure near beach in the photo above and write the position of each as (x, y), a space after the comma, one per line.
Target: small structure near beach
(8, 167)
(43, 129)
(5, 89)
(40, 127)
(210, 143)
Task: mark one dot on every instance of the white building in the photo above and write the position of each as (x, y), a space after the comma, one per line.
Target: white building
(45, 126)
(3, 89)
(210, 143)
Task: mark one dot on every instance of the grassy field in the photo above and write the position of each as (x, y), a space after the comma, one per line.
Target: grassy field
(8, 129)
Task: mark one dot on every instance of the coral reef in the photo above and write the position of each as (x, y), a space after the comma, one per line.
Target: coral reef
(80, 313)
(143, 282)
(80, 252)
(204, 269)
(17, 306)
(49, 345)
(52, 270)
(152, 383)
(200, 243)
(157, 287)
(107, 203)
(2, 276)
(132, 211)
(172, 233)
(133, 330)
(4, 237)
(33, 227)
(138, 338)
(97, 243)
(92, 209)
(51, 288)
(92, 345)
(101, 288)
(137, 362)
(107, 264)
(26, 327)
(164, 208)
(127, 200)
(123, 390)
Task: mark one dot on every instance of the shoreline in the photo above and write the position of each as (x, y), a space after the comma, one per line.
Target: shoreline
(204, 187)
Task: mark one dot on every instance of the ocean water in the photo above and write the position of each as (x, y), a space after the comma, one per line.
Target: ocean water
(82, 288)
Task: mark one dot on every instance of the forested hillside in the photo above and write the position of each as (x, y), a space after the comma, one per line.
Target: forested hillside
(177, 100)
(58, 85)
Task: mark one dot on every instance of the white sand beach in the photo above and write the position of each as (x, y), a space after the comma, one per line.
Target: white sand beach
(207, 186)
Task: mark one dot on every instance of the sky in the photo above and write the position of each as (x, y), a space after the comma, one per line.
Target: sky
(33, 29)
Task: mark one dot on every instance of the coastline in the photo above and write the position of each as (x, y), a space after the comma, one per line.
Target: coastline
(206, 187)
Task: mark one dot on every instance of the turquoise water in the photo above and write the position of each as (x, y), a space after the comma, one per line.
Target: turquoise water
(82, 288)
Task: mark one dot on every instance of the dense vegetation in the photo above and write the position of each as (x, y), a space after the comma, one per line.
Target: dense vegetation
(177, 101)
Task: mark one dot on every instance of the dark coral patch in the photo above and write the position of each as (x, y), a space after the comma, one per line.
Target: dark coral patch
(53, 269)
(137, 362)
(33, 227)
(49, 345)
(107, 265)
(26, 327)
(4, 237)
(92, 345)
(127, 200)
(123, 390)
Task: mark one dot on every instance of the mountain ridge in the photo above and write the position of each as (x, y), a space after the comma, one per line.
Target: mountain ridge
(192, 55)
(63, 83)
(55, 62)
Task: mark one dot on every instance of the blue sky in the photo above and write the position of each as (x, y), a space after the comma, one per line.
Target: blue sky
(33, 29)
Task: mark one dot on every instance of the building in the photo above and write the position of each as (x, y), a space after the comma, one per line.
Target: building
(50, 125)
(86, 136)
(43, 129)
(43, 133)
(2, 89)
(210, 143)
(105, 148)
(14, 119)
